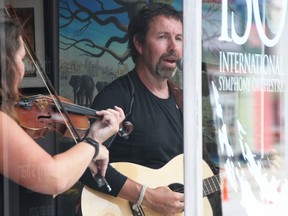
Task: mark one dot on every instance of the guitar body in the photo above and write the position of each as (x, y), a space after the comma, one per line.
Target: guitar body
(100, 204)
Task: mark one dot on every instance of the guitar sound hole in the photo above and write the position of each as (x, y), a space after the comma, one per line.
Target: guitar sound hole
(177, 187)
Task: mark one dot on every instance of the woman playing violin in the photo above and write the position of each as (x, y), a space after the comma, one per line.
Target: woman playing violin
(52, 174)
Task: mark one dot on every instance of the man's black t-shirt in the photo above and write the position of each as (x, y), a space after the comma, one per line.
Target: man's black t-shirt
(157, 136)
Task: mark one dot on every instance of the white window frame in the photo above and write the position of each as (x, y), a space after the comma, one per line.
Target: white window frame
(192, 86)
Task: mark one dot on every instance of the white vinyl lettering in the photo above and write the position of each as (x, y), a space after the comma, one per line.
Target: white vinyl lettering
(252, 10)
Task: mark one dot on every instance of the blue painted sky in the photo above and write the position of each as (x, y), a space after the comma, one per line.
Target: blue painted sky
(99, 34)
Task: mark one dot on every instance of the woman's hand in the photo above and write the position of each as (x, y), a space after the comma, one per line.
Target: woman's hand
(101, 130)
(101, 161)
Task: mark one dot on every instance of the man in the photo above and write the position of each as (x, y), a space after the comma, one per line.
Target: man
(148, 99)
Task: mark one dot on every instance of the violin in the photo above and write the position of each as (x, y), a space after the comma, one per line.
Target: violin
(39, 114)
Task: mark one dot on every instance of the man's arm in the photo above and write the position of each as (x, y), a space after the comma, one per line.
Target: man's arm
(162, 199)
(115, 179)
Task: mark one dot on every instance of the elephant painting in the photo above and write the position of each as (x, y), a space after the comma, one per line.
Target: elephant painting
(100, 85)
(83, 88)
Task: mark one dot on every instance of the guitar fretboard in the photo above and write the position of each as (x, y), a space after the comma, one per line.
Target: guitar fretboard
(211, 185)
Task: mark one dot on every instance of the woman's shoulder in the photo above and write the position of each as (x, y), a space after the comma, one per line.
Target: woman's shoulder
(9, 127)
(4, 116)
(6, 120)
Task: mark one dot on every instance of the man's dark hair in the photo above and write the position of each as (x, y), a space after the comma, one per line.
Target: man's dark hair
(139, 24)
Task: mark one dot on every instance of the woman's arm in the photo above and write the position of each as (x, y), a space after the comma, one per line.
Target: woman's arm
(26, 163)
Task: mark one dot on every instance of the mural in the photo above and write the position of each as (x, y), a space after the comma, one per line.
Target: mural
(93, 52)
(93, 44)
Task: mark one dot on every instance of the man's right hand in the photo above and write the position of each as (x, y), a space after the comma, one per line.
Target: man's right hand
(163, 200)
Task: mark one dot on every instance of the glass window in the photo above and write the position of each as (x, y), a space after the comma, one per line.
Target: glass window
(245, 78)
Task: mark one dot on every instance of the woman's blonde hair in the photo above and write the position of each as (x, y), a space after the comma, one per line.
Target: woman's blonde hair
(10, 33)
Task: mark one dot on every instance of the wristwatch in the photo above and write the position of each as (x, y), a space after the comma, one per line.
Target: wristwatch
(94, 143)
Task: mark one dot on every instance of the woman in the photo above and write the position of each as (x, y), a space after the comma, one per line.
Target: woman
(22, 160)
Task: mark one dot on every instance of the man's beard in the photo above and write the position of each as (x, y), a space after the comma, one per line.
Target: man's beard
(166, 73)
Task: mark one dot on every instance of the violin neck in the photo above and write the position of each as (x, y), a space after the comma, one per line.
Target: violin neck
(27, 103)
(80, 110)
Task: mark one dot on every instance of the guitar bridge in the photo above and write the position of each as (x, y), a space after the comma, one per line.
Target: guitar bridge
(136, 210)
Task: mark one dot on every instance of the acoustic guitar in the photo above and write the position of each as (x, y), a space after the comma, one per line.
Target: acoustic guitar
(172, 174)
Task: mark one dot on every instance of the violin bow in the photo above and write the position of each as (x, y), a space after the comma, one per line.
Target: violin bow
(50, 88)
(100, 180)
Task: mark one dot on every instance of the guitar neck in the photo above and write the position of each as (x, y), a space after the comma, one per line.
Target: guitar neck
(211, 184)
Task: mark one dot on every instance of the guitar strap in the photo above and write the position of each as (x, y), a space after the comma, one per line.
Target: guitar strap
(177, 93)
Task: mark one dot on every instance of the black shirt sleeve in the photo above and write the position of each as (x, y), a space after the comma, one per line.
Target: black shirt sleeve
(115, 179)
